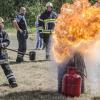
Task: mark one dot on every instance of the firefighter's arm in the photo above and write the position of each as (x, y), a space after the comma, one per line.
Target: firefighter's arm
(41, 23)
(55, 15)
(15, 24)
(6, 41)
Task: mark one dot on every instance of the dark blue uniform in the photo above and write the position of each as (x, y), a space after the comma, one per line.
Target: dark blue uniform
(22, 37)
(4, 42)
(46, 25)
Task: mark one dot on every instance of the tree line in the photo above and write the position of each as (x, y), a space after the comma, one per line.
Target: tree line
(9, 8)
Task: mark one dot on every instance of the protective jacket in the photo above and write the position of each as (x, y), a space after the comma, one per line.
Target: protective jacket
(47, 21)
(4, 42)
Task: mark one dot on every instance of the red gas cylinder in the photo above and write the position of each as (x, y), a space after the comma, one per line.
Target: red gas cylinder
(71, 83)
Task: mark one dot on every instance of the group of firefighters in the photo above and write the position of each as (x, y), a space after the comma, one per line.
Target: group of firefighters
(46, 22)
(45, 27)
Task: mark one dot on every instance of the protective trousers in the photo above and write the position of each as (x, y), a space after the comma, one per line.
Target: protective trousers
(46, 40)
(22, 45)
(8, 72)
(6, 68)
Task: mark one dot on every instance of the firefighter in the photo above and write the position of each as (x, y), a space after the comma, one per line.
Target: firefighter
(4, 42)
(22, 33)
(39, 40)
(46, 25)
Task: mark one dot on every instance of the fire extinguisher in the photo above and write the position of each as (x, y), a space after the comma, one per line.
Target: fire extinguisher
(71, 83)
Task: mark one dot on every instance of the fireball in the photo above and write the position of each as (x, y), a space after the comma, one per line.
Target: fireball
(77, 27)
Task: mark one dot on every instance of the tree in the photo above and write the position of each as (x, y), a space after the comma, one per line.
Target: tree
(9, 8)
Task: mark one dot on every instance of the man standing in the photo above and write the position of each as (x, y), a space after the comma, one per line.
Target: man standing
(4, 42)
(39, 40)
(46, 25)
(22, 34)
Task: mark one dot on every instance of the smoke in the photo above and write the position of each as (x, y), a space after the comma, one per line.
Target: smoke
(92, 60)
(77, 33)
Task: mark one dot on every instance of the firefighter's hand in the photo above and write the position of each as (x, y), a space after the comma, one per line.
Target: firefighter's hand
(20, 30)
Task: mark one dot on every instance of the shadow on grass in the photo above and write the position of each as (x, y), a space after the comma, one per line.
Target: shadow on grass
(33, 95)
(36, 61)
(4, 85)
(95, 98)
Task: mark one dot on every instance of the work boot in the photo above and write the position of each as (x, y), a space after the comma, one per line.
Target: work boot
(12, 82)
(19, 60)
(13, 85)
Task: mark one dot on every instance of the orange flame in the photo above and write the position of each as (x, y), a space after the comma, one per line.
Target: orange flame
(78, 26)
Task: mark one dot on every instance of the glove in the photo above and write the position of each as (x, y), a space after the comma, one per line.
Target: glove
(20, 31)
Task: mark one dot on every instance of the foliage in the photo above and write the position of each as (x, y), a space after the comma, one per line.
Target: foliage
(9, 8)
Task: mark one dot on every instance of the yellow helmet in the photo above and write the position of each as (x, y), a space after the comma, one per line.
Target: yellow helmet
(1, 20)
(49, 4)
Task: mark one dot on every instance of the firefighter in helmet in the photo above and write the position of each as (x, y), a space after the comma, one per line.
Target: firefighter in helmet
(4, 42)
(46, 26)
(22, 34)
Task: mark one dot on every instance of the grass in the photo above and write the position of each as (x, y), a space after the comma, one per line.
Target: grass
(34, 95)
(33, 80)
(36, 80)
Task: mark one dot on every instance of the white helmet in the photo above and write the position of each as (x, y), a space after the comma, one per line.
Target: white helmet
(1, 20)
(49, 4)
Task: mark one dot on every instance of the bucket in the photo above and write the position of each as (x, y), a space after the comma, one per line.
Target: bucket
(32, 55)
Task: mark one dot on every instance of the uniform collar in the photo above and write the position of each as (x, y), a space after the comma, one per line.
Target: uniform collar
(48, 11)
(21, 14)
